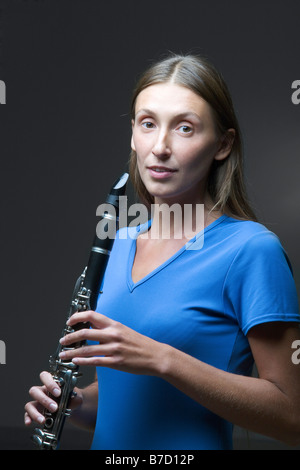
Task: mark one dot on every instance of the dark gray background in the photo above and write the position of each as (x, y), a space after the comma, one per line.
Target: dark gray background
(69, 68)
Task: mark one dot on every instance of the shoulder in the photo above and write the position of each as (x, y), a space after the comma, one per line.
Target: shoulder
(250, 235)
(251, 243)
(245, 228)
(255, 246)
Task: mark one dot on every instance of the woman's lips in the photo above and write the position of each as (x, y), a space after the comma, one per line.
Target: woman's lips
(160, 172)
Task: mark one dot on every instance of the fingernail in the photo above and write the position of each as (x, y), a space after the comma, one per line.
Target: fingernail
(62, 355)
(41, 420)
(56, 392)
(53, 407)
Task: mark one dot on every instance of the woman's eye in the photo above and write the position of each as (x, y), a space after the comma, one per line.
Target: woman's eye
(185, 129)
(148, 125)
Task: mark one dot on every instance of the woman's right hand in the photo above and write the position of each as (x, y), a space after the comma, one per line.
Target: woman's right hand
(44, 397)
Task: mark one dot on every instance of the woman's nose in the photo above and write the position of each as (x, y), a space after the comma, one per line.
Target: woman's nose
(162, 145)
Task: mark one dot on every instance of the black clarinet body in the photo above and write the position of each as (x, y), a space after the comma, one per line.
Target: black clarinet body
(85, 296)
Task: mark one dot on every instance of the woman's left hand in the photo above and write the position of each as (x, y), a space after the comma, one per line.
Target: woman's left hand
(119, 347)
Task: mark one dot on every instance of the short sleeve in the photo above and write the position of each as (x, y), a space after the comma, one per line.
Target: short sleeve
(259, 286)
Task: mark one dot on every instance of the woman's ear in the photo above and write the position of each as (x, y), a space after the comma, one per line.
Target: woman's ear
(225, 145)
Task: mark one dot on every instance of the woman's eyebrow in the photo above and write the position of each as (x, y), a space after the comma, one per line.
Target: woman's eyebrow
(145, 111)
(188, 114)
(181, 115)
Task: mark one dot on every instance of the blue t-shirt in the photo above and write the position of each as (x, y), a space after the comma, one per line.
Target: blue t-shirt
(200, 301)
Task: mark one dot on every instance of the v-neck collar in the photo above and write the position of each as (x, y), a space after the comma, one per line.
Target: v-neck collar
(188, 246)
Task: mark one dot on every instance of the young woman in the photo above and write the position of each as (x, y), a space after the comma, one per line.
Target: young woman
(181, 320)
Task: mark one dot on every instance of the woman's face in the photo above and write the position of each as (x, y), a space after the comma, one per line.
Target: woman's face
(176, 142)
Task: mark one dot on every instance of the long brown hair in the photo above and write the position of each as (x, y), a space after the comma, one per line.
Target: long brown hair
(225, 182)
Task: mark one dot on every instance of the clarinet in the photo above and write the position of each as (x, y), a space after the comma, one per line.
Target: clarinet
(85, 296)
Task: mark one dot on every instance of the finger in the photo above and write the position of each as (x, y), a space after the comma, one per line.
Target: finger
(81, 335)
(42, 399)
(94, 318)
(108, 349)
(87, 361)
(84, 351)
(33, 413)
(104, 361)
(51, 385)
(27, 419)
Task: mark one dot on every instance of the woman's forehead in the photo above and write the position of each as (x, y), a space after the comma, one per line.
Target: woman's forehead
(171, 98)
